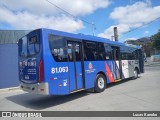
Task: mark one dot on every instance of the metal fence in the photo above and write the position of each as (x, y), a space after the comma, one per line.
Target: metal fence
(155, 52)
(8, 65)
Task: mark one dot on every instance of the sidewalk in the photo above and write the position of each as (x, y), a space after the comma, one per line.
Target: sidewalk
(9, 89)
(149, 63)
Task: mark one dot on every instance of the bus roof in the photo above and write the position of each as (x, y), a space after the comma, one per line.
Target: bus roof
(88, 37)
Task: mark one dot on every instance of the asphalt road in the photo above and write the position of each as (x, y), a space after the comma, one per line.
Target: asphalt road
(142, 94)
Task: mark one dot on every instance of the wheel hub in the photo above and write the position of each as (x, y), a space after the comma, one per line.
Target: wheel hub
(101, 83)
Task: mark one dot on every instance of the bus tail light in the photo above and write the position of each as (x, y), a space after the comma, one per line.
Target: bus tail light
(41, 71)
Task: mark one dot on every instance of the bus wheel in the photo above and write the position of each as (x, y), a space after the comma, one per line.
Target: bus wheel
(135, 74)
(100, 83)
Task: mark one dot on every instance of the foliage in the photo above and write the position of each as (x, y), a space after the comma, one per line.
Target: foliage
(156, 38)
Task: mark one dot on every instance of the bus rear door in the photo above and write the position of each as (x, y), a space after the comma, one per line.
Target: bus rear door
(76, 70)
(116, 65)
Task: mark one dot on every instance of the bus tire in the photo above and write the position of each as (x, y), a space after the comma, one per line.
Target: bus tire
(100, 83)
(135, 74)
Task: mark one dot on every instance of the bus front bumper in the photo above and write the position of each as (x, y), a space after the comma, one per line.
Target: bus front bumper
(38, 88)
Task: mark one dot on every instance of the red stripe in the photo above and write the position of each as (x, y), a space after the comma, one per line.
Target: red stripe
(109, 74)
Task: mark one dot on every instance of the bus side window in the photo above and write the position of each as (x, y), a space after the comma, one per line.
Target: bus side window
(124, 56)
(57, 45)
(131, 54)
(70, 52)
(90, 51)
(135, 55)
(77, 52)
(108, 52)
(124, 53)
(101, 52)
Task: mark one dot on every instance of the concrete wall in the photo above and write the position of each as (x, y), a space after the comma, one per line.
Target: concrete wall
(155, 58)
(11, 36)
(8, 65)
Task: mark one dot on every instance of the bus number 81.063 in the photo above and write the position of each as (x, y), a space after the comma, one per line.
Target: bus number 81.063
(59, 70)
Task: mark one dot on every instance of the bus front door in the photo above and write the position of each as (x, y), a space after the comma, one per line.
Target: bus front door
(75, 66)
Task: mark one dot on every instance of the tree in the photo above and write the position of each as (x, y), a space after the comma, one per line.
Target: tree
(156, 38)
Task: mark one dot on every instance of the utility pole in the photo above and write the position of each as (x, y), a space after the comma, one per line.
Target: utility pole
(93, 28)
(112, 37)
(115, 33)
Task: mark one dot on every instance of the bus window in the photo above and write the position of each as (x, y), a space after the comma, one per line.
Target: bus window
(23, 46)
(57, 45)
(90, 51)
(30, 47)
(124, 53)
(77, 52)
(135, 55)
(33, 45)
(70, 52)
(108, 51)
(74, 49)
(101, 52)
(129, 54)
(97, 51)
(116, 53)
(91, 45)
(124, 56)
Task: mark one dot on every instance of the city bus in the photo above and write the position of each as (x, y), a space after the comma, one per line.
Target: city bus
(53, 62)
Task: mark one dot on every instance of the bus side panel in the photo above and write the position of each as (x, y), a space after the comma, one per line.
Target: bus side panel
(141, 61)
(62, 79)
(75, 78)
(52, 83)
(55, 73)
(116, 70)
(128, 67)
(92, 68)
(125, 69)
(72, 82)
(109, 71)
(131, 68)
(90, 74)
(79, 75)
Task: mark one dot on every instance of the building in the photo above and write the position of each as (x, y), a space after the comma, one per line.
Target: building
(131, 42)
(9, 57)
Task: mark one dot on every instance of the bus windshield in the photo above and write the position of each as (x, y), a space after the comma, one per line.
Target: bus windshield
(29, 47)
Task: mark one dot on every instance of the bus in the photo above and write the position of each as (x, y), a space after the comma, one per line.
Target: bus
(53, 62)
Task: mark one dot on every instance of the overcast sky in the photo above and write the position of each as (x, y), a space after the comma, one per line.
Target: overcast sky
(125, 14)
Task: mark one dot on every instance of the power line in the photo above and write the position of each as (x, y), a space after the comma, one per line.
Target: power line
(69, 13)
(140, 26)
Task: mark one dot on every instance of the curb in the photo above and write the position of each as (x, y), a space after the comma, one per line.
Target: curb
(151, 63)
(9, 89)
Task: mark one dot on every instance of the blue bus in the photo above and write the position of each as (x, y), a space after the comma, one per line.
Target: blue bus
(58, 63)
